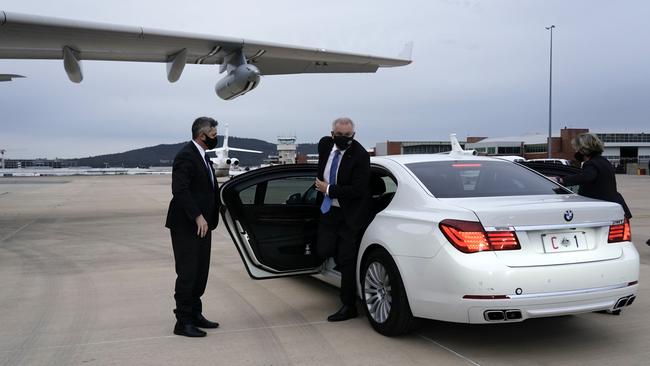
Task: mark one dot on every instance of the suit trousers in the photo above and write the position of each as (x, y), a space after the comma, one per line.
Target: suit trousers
(192, 258)
(337, 239)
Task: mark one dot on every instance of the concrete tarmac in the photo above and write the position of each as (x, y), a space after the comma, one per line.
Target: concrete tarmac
(87, 274)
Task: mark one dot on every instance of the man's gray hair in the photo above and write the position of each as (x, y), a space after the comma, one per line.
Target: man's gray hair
(342, 121)
(588, 144)
(202, 124)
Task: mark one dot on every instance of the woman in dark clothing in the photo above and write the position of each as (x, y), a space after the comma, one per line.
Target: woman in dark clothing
(597, 179)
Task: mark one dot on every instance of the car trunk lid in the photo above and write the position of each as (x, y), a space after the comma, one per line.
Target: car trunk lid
(551, 230)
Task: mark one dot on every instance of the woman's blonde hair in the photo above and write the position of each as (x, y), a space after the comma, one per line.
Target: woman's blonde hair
(587, 144)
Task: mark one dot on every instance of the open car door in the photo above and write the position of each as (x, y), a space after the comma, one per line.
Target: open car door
(272, 217)
(553, 170)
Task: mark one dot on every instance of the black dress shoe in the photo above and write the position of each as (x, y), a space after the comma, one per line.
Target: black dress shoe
(345, 312)
(201, 322)
(188, 330)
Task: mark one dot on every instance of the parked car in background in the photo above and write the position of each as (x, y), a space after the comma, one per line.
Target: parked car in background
(551, 161)
(513, 158)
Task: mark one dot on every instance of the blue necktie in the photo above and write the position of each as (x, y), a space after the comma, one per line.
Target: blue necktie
(327, 201)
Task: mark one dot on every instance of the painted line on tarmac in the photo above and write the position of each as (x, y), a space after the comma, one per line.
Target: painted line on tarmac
(17, 231)
(87, 344)
(129, 340)
(449, 350)
(270, 327)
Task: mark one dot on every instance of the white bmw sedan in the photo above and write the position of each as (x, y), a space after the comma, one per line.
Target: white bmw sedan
(452, 237)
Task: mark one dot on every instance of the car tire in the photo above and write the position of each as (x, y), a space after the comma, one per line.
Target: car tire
(383, 295)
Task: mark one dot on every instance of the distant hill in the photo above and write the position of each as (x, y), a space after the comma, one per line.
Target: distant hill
(163, 155)
(305, 149)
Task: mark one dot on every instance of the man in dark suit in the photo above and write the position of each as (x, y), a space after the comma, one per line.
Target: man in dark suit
(193, 214)
(343, 178)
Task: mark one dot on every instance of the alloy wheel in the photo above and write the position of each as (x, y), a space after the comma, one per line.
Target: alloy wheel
(377, 292)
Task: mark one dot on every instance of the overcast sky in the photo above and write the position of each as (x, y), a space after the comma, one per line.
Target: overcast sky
(480, 68)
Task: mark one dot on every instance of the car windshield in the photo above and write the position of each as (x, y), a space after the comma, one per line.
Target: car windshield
(457, 179)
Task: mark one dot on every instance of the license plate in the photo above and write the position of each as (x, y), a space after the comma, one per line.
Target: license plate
(564, 242)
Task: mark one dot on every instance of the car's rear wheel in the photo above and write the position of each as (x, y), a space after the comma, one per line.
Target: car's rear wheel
(385, 301)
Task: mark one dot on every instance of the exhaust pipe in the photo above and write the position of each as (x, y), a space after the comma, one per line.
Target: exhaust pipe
(494, 315)
(513, 314)
(502, 315)
(624, 301)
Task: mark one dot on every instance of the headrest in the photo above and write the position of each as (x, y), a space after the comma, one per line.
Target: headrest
(377, 185)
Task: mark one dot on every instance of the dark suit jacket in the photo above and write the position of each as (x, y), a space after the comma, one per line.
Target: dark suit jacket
(351, 188)
(192, 191)
(597, 180)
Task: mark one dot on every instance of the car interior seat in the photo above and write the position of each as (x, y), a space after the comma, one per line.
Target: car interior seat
(380, 199)
(377, 186)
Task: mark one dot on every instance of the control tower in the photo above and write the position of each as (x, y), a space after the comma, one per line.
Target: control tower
(287, 149)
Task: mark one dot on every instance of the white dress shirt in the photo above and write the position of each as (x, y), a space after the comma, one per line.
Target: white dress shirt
(202, 152)
(328, 168)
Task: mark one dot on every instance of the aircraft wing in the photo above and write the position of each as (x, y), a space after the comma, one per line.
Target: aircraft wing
(244, 150)
(25, 36)
(220, 149)
(277, 59)
(9, 77)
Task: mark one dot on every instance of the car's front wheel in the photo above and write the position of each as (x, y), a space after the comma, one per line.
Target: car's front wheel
(386, 305)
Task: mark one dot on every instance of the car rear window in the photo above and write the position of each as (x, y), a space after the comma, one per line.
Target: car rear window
(454, 179)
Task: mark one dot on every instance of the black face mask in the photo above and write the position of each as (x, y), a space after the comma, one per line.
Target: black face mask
(579, 156)
(210, 142)
(343, 142)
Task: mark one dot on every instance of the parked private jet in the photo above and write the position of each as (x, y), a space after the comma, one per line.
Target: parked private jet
(221, 160)
(24, 36)
(456, 148)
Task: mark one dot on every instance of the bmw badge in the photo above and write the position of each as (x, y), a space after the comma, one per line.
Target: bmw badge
(568, 215)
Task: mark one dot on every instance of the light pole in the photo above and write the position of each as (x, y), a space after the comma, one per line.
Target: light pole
(550, 90)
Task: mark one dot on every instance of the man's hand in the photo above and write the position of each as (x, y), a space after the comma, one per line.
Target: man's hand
(321, 186)
(202, 226)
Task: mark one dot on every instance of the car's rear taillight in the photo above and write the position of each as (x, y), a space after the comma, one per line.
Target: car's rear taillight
(620, 232)
(503, 240)
(471, 237)
(466, 236)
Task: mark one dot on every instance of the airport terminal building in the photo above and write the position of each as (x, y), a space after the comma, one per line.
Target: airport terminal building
(413, 147)
(629, 152)
(623, 148)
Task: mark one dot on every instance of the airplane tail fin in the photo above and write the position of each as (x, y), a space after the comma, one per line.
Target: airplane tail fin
(456, 149)
(455, 145)
(225, 149)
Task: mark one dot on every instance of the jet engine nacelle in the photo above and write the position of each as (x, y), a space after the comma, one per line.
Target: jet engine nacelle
(234, 161)
(228, 161)
(238, 82)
